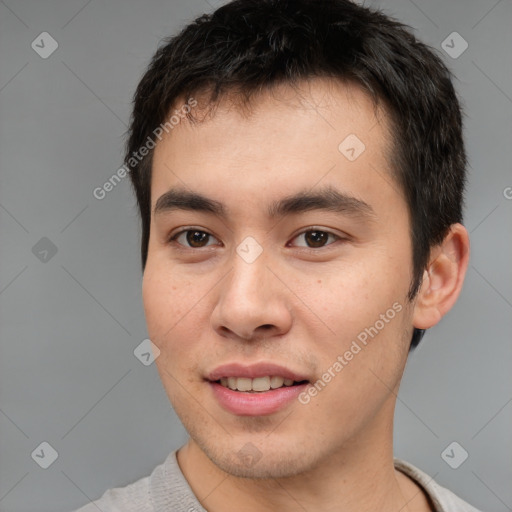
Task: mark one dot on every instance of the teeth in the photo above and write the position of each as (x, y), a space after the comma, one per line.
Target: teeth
(243, 384)
(276, 382)
(257, 384)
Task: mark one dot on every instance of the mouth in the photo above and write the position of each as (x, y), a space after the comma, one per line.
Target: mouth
(257, 389)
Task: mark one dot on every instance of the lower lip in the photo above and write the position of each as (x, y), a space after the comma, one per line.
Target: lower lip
(256, 403)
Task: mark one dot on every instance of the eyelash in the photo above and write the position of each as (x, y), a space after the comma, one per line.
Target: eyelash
(173, 238)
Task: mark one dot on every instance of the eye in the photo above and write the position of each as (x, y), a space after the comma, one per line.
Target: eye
(315, 238)
(192, 238)
(197, 238)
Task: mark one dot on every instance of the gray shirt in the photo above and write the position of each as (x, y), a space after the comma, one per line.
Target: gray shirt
(167, 490)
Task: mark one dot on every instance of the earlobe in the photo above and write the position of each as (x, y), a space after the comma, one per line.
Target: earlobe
(443, 279)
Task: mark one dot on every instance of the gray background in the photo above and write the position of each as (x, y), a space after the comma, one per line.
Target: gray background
(70, 322)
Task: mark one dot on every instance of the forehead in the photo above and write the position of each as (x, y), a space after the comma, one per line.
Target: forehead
(285, 138)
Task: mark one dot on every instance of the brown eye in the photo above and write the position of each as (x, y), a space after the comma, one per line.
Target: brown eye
(315, 238)
(197, 238)
(193, 238)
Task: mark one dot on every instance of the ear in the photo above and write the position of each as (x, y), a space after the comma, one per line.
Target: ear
(443, 279)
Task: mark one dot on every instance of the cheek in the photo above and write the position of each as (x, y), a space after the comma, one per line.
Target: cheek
(168, 301)
(171, 306)
(363, 362)
(354, 295)
(177, 308)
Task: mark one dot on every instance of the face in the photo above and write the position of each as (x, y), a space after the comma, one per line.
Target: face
(295, 262)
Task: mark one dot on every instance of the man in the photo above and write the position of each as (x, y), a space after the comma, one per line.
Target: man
(299, 169)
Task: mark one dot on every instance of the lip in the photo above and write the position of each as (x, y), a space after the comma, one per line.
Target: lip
(257, 403)
(252, 371)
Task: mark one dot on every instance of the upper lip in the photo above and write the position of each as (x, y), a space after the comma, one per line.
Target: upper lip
(253, 371)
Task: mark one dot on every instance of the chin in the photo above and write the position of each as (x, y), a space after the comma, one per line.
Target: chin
(258, 459)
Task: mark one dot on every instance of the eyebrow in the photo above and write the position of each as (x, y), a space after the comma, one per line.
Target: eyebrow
(327, 198)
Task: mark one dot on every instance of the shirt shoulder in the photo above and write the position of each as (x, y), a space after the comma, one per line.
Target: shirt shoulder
(134, 497)
(443, 499)
(165, 489)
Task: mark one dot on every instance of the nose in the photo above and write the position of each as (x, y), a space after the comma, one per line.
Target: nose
(252, 302)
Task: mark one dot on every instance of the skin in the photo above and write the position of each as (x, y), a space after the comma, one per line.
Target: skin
(296, 306)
